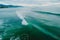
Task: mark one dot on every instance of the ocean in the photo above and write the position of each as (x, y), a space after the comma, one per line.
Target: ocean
(30, 23)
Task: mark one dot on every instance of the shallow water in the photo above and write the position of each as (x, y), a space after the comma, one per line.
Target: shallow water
(30, 23)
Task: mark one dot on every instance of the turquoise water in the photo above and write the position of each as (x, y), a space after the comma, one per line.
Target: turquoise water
(30, 23)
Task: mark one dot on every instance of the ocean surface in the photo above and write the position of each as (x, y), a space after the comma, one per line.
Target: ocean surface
(30, 23)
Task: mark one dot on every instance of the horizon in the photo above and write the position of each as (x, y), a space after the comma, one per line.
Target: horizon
(30, 2)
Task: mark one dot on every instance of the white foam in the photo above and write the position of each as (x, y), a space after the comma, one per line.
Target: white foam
(24, 22)
(21, 16)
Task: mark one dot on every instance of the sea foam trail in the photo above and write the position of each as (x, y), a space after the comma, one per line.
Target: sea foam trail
(22, 14)
(24, 22)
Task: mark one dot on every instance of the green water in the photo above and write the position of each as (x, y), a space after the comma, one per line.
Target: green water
(39, 24)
